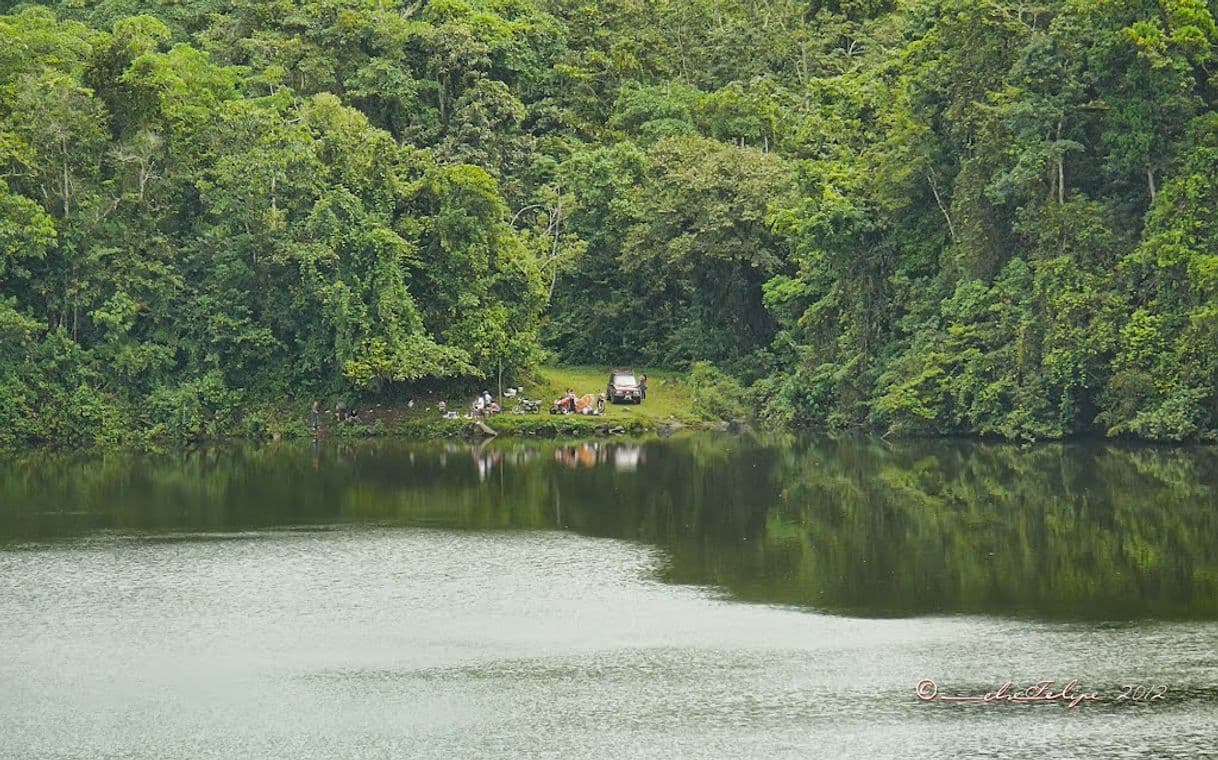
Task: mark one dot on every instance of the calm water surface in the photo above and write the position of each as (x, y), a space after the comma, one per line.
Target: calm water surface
(709, 596)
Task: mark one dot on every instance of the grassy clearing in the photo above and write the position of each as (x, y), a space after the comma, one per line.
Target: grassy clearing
(667, 398)
(667, 404)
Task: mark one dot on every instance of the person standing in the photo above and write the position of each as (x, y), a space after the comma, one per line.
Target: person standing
(315, 416)
(643, 387)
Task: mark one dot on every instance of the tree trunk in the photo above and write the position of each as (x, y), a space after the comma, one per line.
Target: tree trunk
(951, 228)
(555, 249)
(67, 190)
(1061, 170)
(1150, 181)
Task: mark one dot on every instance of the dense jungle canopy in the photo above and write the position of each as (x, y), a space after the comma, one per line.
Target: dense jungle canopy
(926, 216)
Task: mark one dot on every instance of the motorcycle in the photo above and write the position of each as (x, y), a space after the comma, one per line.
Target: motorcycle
(528, 406)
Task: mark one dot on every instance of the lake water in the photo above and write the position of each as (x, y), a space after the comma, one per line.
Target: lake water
(708, 596)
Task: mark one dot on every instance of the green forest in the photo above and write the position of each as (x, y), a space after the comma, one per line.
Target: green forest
(960, 217)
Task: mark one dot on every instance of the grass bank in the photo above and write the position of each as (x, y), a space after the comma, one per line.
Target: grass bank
(668, 405)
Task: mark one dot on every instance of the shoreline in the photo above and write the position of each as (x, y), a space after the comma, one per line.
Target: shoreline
(268, 425)
(671, 407)
(522, 427)
(511, 425)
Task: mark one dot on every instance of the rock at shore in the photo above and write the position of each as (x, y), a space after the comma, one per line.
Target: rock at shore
(668, 429)
(479, 429)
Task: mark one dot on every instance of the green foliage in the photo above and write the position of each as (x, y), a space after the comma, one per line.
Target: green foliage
(717, 395)
(937, 216)
(1164, 383)
(1005, 230)
(189, 221)
(678, 249)
(192, 410)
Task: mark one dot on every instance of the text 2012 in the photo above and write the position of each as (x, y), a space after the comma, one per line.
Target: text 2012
(1070, 694)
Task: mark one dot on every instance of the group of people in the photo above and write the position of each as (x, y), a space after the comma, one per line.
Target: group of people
(485, 404)
(342, 413)
(586, 404)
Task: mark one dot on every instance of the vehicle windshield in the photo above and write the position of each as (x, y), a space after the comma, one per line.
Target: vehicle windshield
(624, 380)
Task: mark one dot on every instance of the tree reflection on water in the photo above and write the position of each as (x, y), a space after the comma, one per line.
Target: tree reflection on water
(856, 526)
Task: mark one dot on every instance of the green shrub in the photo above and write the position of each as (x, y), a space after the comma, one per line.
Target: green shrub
(717, 395)
(193, 411)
